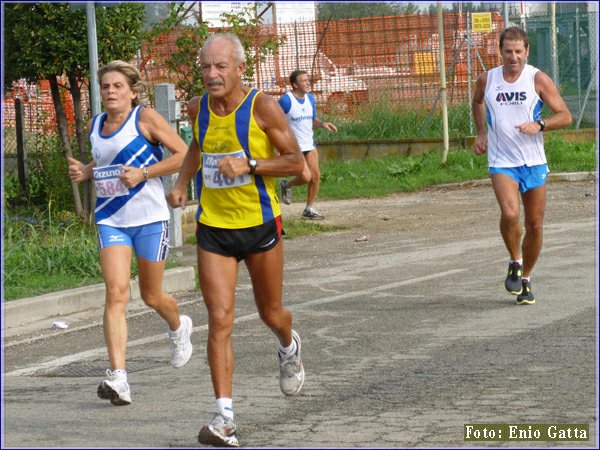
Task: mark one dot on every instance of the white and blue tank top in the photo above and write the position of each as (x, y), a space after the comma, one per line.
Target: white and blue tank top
(300, 114)
(509, 105)
(116, 205)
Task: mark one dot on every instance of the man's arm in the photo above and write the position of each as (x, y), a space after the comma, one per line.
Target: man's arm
(547, 91)
(178, 195)
(478, 108)
(270, 119)
(318, 123)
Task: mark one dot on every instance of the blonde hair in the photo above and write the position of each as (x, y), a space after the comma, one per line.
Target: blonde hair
(134, 79)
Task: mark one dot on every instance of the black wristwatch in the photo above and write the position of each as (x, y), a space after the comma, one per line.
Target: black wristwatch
(252, 164)
(542, 124)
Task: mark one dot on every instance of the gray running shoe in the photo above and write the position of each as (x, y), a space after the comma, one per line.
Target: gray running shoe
(116, 389)
(312, 214)
(181, 347)
(513, 278)
(526, 296)
(219, 432)
(291, 370)
(286, 192)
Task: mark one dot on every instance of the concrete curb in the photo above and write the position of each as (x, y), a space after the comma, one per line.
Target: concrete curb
(573, 176)
(24, 311)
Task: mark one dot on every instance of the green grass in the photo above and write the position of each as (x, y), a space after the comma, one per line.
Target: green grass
(42, 252)
(50, 251)
(379, 120)
(383, 176)
(295, 228)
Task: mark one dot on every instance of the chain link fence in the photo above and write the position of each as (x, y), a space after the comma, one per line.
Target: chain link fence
(570, 56)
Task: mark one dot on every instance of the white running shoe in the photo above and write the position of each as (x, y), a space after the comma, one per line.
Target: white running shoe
(220, 432)
(116, 389)
(181, 346)
(291, 370)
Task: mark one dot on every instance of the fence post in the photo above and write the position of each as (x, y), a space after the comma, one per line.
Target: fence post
(21, 151)
(168, 107)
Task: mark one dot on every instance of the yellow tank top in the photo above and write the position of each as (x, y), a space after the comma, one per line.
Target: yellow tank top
(248, 200)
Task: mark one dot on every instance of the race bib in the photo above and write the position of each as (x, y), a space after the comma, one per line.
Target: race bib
(216, 180)
(108, 183)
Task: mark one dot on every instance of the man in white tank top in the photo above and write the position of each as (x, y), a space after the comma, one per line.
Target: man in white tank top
(507, 109)
(301, 112)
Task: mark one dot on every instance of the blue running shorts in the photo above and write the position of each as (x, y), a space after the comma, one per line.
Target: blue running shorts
(529, 178)
(150, 242)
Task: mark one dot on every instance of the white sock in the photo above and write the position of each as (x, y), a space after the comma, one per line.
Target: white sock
(286, 352)
(520, 261)
(121, 373)
(177, 332)
(528, 279)
(224, 407)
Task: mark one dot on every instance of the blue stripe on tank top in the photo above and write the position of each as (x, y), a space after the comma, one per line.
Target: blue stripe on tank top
(537, 110)
(134, 156)
(202, 124)
(242, 128)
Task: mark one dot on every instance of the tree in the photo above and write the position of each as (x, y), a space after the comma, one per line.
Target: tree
(190, 38)
(351, 10)
(48, 41)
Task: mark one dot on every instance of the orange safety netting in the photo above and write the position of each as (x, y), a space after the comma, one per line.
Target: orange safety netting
(351, 62)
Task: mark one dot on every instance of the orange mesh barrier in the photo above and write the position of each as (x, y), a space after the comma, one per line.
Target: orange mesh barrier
(351, 62)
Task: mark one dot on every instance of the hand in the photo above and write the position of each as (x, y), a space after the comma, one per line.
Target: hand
(77, 170)
(177, 198)
(529, 128)
(233, 167)
(481, 144)
(131, 176)
(329, 126)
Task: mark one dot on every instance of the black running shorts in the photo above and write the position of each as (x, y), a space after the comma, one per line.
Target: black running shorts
(239, 242)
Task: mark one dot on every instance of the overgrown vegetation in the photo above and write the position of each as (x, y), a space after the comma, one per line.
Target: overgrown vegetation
(47, 251)
(382, 120)
(47, 179)
(50, 250)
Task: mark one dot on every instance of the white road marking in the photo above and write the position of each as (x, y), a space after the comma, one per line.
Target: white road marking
(94, 353)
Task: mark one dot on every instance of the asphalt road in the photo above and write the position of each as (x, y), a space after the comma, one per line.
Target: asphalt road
(406, 337)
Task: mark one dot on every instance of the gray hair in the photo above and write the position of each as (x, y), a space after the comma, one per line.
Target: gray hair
(238, 49)
(134, 79)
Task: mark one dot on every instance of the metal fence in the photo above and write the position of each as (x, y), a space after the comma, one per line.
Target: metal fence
(358, 62)
(569, 56)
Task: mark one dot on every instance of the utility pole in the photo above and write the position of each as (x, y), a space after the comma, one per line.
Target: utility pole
(90, 12)
(440, 20)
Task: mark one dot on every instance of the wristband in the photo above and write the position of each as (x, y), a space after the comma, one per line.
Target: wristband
(145, 172)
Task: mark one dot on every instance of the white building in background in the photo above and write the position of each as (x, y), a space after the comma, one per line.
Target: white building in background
(274, 12)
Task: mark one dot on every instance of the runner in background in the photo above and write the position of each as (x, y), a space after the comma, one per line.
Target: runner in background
(300, 110)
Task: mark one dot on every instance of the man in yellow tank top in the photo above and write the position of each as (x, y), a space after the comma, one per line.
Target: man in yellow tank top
(232, 157)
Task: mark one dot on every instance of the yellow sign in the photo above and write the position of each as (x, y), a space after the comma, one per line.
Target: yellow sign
(424, 63)
(481, 21)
